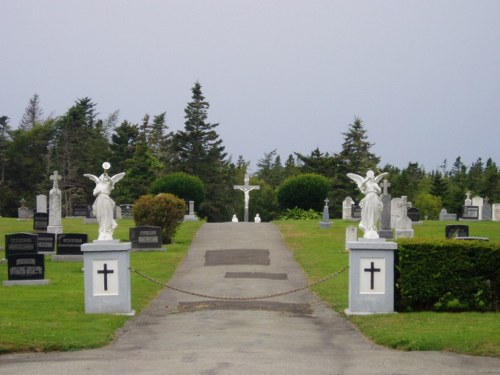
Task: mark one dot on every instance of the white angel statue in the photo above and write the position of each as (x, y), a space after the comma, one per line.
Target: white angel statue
(104, 206)
(371, 204)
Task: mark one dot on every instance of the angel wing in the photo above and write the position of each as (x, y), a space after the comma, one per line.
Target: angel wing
(359, 180)
(117, 177)
(92, 177)
(380, 177)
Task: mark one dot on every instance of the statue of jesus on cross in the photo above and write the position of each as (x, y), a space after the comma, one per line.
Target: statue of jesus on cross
(247, 188)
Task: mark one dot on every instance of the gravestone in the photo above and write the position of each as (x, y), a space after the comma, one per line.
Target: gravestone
(351, 235)
(468, 201)
(191, 216)
(396, 208)
(414, 214)
(127, 210)
(20, 243)
(69, 247)
(385, 219)
(26, 267)
(487, 213)
(41, 203)
(495, 212)
(90, 217)
(452, 231)
(23, 212)
(347, 208)
(40, 221)
(80, 211)
(356, 212)
(403, 226)
(55, 225)
(470, 213)
(445, 216)
(46, 242)
(478, 202)
(146, 238)
(326, 223)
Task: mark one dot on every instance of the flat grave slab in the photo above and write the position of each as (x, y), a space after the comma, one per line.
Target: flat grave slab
(256, 275)
(283, 307)
(259, 257)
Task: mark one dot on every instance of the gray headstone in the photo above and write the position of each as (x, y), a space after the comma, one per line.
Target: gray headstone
(347, 208)
(487, 211)
(41, 203)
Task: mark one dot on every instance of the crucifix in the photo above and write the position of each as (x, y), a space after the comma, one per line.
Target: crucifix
(372, 271)
(105, 272)
(247, 188)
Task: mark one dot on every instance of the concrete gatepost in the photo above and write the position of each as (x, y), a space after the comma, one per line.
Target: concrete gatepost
(371, 276)
(107, 277)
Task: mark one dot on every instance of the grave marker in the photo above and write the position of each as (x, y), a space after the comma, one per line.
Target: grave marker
(20, 243)
(46, 242)
(452, 231)
(470, 213)
(71, 243)
(146, 238)
(26, 267)
(246, 189)
(40, 221)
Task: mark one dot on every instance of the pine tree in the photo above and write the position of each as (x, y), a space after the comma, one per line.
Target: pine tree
(197, 150)
(32, 115)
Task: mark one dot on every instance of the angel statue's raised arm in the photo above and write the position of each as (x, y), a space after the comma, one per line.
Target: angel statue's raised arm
(104, 206)
(371, 204)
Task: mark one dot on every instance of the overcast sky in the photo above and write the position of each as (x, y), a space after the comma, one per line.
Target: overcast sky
(424, 76)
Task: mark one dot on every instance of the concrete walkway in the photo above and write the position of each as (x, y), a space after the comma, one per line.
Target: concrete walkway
(292, 334)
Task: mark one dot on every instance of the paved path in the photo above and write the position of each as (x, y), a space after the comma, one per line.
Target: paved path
(294, 334)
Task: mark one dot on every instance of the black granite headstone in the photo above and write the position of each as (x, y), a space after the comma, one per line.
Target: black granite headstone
(20, 243)
(452, 231)
(80, 211)
(26, 267)
(46, 242)
(40, 221)
(356, 211)
(146, 237)
(71, 243)
(413, 213)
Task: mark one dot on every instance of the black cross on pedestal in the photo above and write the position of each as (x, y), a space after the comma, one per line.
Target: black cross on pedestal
(372, 271)
(105, 272)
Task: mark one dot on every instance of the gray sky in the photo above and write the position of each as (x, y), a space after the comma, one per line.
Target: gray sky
(290, 75)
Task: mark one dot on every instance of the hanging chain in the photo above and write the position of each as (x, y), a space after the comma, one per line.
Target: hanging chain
(239, 298)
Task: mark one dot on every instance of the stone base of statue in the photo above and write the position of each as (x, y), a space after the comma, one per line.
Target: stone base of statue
(107, 277)
(388, 234)
(371, 276)
(56, 229)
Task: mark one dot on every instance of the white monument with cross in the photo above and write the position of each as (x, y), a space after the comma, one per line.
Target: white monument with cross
(246, 189)
(55, 223)
(107, 260)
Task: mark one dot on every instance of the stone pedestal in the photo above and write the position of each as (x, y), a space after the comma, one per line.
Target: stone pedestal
(107, 277)
(371, 277)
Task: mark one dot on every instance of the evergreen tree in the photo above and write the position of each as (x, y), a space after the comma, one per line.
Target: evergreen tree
(197, 150)
(33, 114)
(79, 145)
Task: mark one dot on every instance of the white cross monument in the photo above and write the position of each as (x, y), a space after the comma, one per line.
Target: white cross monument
(247, 188)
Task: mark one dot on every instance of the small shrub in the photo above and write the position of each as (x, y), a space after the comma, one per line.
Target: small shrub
(300, 214)
(306, 191)
(182, 185)
(163, 210)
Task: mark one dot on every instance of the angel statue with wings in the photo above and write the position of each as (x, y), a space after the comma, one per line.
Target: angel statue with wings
(371, 204)
(104, 206)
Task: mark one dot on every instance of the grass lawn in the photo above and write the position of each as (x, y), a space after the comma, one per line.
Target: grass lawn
(52, 317)
(321, 252)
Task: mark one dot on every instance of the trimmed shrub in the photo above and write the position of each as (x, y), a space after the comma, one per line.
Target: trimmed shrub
(306, 191)
(163, 210)
(182, 185)
(449, 275)
(300, 214)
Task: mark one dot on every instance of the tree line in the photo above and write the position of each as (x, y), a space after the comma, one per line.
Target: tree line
(79, 141)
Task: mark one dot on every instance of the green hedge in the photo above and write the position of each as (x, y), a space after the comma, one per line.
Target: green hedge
(448, 275)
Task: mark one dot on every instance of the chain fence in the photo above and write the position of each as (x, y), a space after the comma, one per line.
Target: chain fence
(225, 298)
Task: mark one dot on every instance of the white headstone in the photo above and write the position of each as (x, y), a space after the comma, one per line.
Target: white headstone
(351, 235)
(347, 208)
(55, 206)
(478, 201)
(495, 212)
(41, 203)
(468, 201)
(396, 212)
